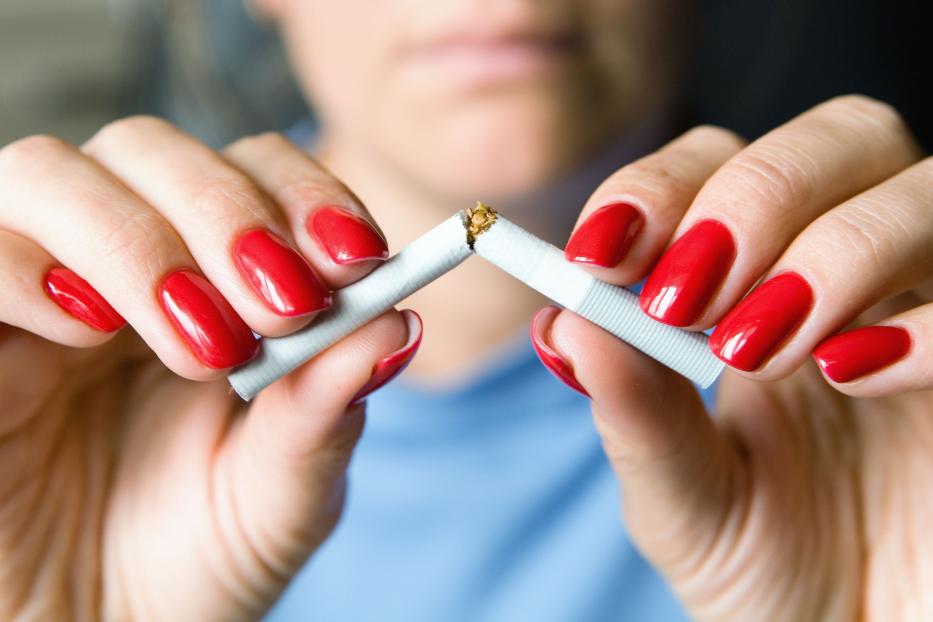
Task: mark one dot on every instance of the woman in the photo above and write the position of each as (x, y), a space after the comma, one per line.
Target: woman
(135, 486)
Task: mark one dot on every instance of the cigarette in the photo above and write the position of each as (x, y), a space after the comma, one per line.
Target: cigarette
(494, 238)
(543, 267)
(436, 252)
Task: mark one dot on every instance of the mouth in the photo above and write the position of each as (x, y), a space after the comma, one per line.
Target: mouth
(477, 61)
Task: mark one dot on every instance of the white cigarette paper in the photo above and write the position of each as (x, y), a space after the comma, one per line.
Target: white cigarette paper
(514, 250)
(436, 252)
(544, 268)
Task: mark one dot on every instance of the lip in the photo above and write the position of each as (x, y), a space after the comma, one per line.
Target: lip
(477, 60)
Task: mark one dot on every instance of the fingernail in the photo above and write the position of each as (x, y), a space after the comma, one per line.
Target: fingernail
(759, 324)
(75, 295)
(347, 237)
(859, 352)
(548, 355)
(391, 366)
(279, 275)
(204, 318)
(605, 237)
(688, 275)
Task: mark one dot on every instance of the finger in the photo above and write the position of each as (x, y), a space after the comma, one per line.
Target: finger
(674, 467)
(757, 203)
(327, 221)
(888, 359)
(628, 221)
(872, 247)
(49, 300)
(66, 203)
(300, 432)
(232, 229)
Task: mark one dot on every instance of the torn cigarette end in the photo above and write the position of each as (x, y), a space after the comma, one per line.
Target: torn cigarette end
(478, 220)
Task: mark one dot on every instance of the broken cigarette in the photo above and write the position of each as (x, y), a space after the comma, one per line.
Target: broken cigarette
(511, 248)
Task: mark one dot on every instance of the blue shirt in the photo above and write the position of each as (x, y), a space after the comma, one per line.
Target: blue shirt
(491, 501)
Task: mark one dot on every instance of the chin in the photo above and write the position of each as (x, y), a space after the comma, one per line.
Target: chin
(494, 149)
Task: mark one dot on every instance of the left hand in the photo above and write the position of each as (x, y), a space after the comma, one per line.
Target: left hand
(808, 497)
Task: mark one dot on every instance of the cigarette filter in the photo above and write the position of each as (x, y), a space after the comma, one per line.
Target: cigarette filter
(544, 268)
(428, 257)
(514, 250)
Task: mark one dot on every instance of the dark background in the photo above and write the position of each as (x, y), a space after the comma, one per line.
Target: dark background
(757, 64)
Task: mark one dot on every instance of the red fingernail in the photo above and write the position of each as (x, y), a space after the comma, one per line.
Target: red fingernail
(551, 359)
(753, 330)
(205, 319)
(862, 351)
(282, 278)
(605, 237)
(346, 236)
(73, 294)
(689, 274)
(391, 366)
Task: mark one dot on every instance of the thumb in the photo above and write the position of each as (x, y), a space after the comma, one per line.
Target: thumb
(287, 461)
(675, 468)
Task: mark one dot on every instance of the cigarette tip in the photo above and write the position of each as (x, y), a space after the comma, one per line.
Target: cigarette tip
(477, 220)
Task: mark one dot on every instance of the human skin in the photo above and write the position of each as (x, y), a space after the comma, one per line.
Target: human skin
(802, 498)
(135, 487)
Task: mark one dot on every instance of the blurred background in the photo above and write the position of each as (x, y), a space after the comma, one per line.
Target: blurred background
(69, 66)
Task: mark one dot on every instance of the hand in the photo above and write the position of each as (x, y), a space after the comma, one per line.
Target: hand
(128, 492)
(805, 497)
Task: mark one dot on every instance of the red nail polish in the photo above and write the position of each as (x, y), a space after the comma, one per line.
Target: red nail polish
(391, 366)
(688, 275)
(75, 295)
(859, 352)
(346, 236)
(605, 237)
(204, 318)
(282, 278)
(551, 359)
(756, 327)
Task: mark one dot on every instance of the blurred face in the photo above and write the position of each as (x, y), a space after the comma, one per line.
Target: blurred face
(479, 98)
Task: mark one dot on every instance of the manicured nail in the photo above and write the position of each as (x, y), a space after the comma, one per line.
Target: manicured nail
(605, 237)
(548, 355)
(204, 318)
(279, 275)
(346, 236)
(688, 275)
(759, 324)
(73, 294)
(856, 353)
(391, 366)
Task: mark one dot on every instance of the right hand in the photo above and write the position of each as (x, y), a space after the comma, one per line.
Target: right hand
(128, 491)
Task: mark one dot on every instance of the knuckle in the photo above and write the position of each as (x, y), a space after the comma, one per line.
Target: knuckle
(259, 142)
(308, 192)
(667, 179)
(868, 109)
(33, 150)
(127, 129)
(139, 238)
(861, 232)
(224, 199)
(772, 176)
(660, 178)
(706, 134)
